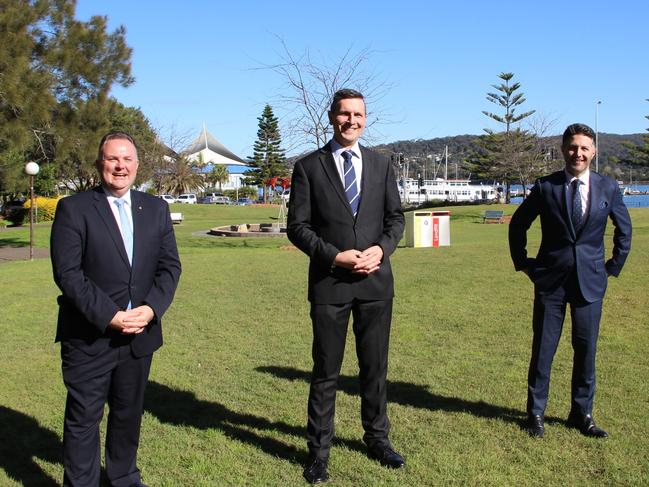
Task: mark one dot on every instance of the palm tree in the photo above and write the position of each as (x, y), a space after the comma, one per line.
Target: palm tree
(219, 174)
(183, 177)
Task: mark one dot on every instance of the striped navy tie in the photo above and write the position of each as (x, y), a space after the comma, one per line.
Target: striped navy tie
(351, 188)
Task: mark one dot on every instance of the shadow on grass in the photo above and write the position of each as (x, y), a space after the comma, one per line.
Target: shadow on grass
(23, 439)
(414, 395)
(12, 242)
(182, 408)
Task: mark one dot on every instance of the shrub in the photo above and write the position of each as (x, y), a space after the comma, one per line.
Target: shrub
(45, 208)
(17, 216)
(244, 192)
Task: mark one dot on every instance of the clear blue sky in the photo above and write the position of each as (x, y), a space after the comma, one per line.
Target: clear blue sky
(193, 60)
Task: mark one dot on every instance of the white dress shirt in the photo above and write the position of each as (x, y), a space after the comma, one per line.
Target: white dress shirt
(357, 161)
(583, 190)
(115, 210)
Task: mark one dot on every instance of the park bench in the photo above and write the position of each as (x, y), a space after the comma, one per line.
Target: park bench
(176, 217)
(493, 216)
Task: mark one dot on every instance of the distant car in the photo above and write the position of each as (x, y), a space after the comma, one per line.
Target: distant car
(167, 197)
(15, 205)
(222, 200)
(244, 201)
(218, 200)
(187, 198)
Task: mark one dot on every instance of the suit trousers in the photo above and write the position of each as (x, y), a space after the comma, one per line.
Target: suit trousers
(116, 377)
(549, 315)
(371, 325)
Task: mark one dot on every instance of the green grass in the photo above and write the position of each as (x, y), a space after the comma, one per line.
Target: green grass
(226, 403)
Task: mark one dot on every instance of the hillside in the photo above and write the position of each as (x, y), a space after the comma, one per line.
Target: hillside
(611, 149)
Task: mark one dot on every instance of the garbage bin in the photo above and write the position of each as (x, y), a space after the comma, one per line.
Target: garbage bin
(428, 229)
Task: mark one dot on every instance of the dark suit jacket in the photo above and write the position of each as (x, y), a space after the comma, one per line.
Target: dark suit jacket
(91, 268)
(561, 250)
(321, 224)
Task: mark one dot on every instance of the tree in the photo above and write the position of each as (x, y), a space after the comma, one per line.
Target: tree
(55, 77)
(639, 153)
(218, 175)
(310, 83)
(504, 153)
(183, 177)
(268, 160)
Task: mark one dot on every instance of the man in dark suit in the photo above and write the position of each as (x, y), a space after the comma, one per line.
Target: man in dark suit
(345, 214)
(574, 205)
(115, 260)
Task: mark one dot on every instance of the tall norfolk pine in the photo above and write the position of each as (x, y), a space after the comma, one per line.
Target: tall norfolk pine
(507, 155)
(268, 160)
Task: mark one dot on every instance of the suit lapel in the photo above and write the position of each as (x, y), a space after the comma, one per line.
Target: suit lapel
(329, 166)
(106, 214)
(366, 157)
(560, 191)
(593, 197)
(139, 224)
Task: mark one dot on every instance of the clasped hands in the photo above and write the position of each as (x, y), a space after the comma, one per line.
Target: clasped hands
(132, 321)
(365, 262)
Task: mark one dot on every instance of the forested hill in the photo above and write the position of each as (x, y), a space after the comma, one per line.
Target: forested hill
(611, 148)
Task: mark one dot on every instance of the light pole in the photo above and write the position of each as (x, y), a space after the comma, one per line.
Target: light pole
(597, 135)
(31, 169)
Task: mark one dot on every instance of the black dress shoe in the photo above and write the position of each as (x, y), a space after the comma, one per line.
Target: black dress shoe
(315, 471)
(586, 424)
(387, 457)
(535, 426)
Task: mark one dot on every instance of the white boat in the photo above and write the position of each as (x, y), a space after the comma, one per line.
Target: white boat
(418, 191)
(412, 192)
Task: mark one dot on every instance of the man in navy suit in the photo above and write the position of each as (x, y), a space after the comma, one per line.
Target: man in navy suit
(574, 205)
(345, 214)
(115, 260)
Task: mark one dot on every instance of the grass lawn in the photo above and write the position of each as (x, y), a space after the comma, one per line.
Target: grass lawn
(226, 402)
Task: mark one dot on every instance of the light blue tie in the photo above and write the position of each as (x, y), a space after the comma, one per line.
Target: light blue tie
(127, 231)
(351, 188)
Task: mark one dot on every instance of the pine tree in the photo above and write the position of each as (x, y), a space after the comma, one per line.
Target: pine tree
(268, 160)
(504, 154)
(56, 74)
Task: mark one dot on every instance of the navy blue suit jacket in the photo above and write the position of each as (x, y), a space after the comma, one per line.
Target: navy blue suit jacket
(92, 270)
(561, 250)
(321, 224)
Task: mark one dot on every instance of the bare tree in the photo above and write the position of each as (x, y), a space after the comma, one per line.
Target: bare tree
(310, 83)
(543, 155)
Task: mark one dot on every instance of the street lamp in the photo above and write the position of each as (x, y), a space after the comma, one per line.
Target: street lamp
(31, 169)
(597, 135)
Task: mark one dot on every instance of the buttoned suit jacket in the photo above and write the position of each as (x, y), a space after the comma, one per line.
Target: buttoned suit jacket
(562, 250)
(321, 224)
(92, 270)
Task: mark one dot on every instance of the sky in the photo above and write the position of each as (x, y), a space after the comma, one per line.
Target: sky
(197, 62)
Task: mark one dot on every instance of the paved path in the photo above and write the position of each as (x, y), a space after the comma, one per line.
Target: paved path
(8, 254)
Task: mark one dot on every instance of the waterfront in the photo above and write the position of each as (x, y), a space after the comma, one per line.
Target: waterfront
(631, 201)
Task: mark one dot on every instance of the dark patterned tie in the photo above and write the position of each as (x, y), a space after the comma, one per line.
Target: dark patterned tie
(351, 188)
(577, 210)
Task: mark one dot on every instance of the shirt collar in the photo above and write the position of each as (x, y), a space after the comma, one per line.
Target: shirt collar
(338, 149)
(584, 178)
(112, 197)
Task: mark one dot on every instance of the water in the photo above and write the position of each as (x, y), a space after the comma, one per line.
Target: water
(631, 201)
